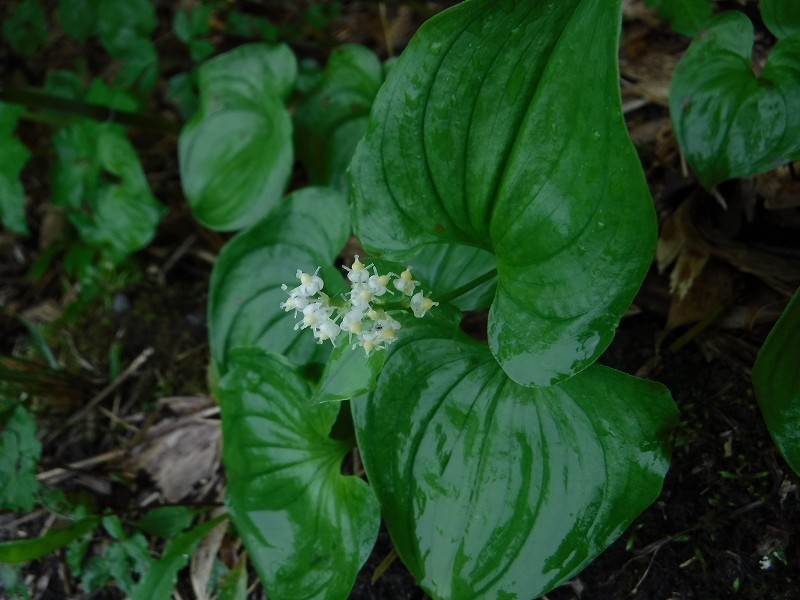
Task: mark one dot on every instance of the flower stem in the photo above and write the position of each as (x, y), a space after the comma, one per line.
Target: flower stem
(460, 291)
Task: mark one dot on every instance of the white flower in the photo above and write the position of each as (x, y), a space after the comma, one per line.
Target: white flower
(405, 283)
(377, 283)
(327, 330)
(420, 305)
(351, 322)
(295, 301)
(357, 273)
(370, 340)
(388, 328)
(310, 283)
(360, 297)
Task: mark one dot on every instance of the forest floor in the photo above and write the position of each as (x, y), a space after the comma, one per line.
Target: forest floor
(727, 524)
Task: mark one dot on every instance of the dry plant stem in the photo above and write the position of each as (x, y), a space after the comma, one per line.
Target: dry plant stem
(387, 30)
(106, 391)
(385, 564)
(58, 474)
(118, 420)
(646, 571)
(31, 516)
(699, 327)
(176, 256)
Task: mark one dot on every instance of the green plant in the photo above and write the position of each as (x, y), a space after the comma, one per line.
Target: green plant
(733, 121)
(506, 187)
(97, 179)
(777, 383)
(729, 121)
(494, 172)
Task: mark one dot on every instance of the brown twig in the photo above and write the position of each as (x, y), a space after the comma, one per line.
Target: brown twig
(106, 391)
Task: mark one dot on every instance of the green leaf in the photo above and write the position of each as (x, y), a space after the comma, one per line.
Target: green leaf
(776, 380)
(15, 155)
(100, 179)
(307, 528)
(234, 584)
(333, 119)
(685, 16)
(17, 551)
(246, 25)
(445, 268)
(349, 373)
(127, 556)
(114, 16)
(139, 59)
(78, 18)
(124, 27)
(782, 17)
(494, 490)
(160, 580)
(19, 453)
(236, 152)
(167, 521)
(730, 122)
(12, 582)
(305, 231)
(500, 127)
(182, 92)
(25, 28)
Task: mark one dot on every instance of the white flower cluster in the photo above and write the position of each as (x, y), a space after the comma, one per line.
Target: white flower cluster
(362, 312)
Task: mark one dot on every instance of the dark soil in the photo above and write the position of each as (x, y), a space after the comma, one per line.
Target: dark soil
(727, 524)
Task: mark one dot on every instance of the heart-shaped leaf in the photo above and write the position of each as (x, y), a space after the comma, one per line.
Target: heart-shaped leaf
(776, 380)
(782, 17)
(15, 155)
(100, 180)
(332, 120)
(307, 528)
(305, 231)
(730, 122)
(236, 152)
(500, 127)
(495, 490)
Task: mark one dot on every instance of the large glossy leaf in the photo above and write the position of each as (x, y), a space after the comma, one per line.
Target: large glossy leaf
(307, 528)
(236, 152)
(776, 379)
(305, 231)
(15, 155)
(782, 17)
(495, 490)
(333, 119)
(730, 122)
(500, 127)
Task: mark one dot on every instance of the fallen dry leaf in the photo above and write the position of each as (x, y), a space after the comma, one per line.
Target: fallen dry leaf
(179, 454)
(203, 558)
